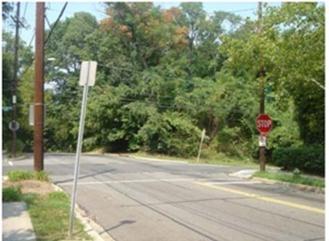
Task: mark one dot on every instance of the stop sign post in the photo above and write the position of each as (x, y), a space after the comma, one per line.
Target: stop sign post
(264, 126)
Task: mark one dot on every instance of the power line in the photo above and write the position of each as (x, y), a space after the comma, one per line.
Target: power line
(47, 20)
(241, 10)
(25, 10)
(31, 41)
(57, 20)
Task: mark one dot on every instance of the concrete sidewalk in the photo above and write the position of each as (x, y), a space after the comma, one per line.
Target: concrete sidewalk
(16, 222)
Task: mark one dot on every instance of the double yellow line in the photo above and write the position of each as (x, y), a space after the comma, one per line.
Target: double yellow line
(263, 198)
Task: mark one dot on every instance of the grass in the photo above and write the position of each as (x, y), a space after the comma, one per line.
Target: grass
(19, 175)
(49, 212)
(50, 217)
(12, 194)
(292, 178)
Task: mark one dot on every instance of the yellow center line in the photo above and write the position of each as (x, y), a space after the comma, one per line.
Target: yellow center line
(263, 198)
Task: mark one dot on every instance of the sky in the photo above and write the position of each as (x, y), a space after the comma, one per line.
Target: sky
(97, 9)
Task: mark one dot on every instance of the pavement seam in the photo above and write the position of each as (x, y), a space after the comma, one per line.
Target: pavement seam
(96, 231)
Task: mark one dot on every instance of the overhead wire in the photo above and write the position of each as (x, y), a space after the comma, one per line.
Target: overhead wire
(54, 26)
(48, 37)
(25, 8)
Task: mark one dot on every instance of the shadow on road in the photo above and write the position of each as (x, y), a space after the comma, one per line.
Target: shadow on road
(124, 222)
(85, 176)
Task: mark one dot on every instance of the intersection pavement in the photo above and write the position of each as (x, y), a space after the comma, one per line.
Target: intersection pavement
(136, 199)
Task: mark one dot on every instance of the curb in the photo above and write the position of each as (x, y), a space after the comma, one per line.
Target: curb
(17, 158)
(96, 231)
(299, 187)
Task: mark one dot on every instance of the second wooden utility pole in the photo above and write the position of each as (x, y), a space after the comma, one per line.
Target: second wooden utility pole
(14, 84)
(261, 74)
(38, 88)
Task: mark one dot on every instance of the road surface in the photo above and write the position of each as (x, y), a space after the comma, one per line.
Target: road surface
(149, 200)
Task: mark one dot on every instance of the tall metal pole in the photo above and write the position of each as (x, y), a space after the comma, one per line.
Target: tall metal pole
(39, 96)
(79, 148)
(262, 157)
(14, 84)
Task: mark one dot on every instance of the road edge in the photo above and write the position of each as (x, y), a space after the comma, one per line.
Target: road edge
(95, 230)
(299, 187)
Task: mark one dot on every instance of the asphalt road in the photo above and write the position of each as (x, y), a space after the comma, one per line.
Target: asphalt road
(148, 200)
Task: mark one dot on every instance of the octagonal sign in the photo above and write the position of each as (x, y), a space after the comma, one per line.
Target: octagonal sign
(264, 124)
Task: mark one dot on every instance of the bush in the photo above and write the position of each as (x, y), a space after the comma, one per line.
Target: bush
(309, 159)
(231, 142)
(11, 194)
(19, 147)
(170, 133)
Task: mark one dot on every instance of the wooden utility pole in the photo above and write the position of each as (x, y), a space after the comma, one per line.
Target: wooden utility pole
(261, 75)
(38, 94)
(14, 84)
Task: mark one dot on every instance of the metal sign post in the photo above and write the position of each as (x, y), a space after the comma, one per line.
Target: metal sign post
(87, 78)
(203, 134)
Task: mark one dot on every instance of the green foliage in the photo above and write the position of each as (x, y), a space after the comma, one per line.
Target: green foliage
(170, 133)
(25, 59)
(11, 194)
(41, 176)
(19, 175)
(309, 159)
(20, 147)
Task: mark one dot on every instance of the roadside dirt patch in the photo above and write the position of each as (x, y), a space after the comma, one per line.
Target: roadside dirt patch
(32, 186)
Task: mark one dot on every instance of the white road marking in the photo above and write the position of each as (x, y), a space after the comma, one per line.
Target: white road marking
(160, 180)
(11, 163)
(237, 182)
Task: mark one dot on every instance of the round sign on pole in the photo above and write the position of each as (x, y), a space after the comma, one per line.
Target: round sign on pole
(264, 124)
(13, 125)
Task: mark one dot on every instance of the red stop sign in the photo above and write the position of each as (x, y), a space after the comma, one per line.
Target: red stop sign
(264, 124)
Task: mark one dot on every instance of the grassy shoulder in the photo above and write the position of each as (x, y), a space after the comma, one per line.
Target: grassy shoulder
(19, 175)
(48, 209)
(295, 178)
(217, 159)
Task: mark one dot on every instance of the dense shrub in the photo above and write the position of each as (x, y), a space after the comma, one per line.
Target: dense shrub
(19, 147)
(170, 133)
(309, 159)
(11, 194)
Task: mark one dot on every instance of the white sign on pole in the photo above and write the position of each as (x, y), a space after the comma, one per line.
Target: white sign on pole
(13, 125)
(88, 73)
(87, 78)
(31, 115)
(262, 141)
